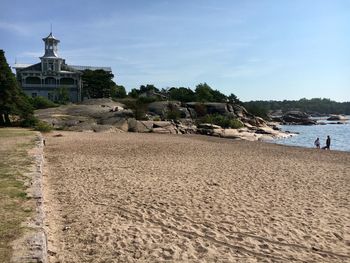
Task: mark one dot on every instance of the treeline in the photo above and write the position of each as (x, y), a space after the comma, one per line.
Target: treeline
(312, 106)
(202, 93)
(100, 84)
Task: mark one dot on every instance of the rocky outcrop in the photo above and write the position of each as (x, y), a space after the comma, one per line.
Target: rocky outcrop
(337, 118)
(297, 117)
(105, 115)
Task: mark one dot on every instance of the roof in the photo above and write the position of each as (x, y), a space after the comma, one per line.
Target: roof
(81, 68)
(29, 67)
(21, 65)
(50, 36)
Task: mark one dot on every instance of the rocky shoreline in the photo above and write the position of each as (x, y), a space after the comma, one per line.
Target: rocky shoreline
(105, 115)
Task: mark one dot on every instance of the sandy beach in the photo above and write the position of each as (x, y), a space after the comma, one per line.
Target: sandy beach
(133, 197)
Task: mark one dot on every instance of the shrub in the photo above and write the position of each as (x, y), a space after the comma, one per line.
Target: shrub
(173, 112)
(42, 103)
(30, 121)
(221, 120)
(43, 127)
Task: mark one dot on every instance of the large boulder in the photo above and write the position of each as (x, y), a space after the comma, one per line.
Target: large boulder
(208, 107)
(138, 126)
(161, 107)
(337, 118)
(297, 117)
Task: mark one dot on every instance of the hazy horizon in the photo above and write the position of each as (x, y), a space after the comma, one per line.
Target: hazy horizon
(258, 50)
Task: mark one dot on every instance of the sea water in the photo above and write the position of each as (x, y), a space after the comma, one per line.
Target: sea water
(339, 133)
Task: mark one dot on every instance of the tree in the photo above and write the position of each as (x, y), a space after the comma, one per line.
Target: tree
(62, 95)
(134, 93)
(181, 94)
(234, 99)
(118, 91)
(204, 92)
(97, 83)
(12, 99)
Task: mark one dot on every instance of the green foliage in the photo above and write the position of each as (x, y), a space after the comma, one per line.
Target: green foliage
(204, 93)
(315, 105)
(173, 112)
(181, 94)
(146, 100)
(62, 95)
(232, 98)
(42, 103)
(139, 107)
(135, 93)
(97, 83)
(30, 121)
(221, 120)
(257, 110)
(43, 127)
(118, 91)
(12, 99)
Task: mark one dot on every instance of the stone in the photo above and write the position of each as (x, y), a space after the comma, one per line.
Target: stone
(337, 118)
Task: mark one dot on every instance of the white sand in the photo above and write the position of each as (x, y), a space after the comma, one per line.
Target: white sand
(132, 197)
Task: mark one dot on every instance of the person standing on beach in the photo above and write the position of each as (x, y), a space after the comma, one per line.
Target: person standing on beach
(317, 143)
(328, 143)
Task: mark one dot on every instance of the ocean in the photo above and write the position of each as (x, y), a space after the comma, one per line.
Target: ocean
(339, 133)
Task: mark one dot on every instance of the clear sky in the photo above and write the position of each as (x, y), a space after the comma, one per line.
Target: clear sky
(256, 49)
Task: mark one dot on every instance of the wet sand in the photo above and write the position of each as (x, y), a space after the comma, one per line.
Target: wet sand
(132, 197)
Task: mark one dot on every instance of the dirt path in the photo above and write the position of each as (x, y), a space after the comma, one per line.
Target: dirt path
(144, 197)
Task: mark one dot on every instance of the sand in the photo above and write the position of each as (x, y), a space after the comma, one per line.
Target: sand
(132, 197)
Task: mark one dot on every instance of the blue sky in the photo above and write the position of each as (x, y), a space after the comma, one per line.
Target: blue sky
(256, 49)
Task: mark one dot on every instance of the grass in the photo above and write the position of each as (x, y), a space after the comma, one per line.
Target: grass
(15, 206)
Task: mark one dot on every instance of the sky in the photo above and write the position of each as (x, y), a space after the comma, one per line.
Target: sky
(256, 49)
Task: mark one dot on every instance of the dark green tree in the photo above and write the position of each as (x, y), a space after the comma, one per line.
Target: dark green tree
(62, 95)
(97, 83)
(232, 98)
(204, 93)
(181, 94)
(118, 91)
(12, 99)
(134, 93)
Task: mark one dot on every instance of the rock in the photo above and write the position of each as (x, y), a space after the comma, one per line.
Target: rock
(161, 107)
(208, 126)
(161, 124)
(297, 117)
(161, 130)
(122, 124)
(138, 126)
(213, 107)
(185, 113)
(186, 129)
(337, 118)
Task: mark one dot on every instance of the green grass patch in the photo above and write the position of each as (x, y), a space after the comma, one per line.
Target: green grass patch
(14, 205)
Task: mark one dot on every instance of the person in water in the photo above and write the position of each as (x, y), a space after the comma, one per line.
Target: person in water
(328, 143)
(317, 143)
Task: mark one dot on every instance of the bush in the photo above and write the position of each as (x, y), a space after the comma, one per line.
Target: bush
(223, 121)
(42, 103)
(30, 121)
(173, 112)
(43, 127)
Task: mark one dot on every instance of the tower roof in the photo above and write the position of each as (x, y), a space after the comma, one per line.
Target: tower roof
(50, 36)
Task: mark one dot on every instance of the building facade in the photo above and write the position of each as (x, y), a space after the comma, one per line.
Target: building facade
(52, 74)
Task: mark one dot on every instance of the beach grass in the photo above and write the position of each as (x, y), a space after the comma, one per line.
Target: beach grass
(15, 206)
